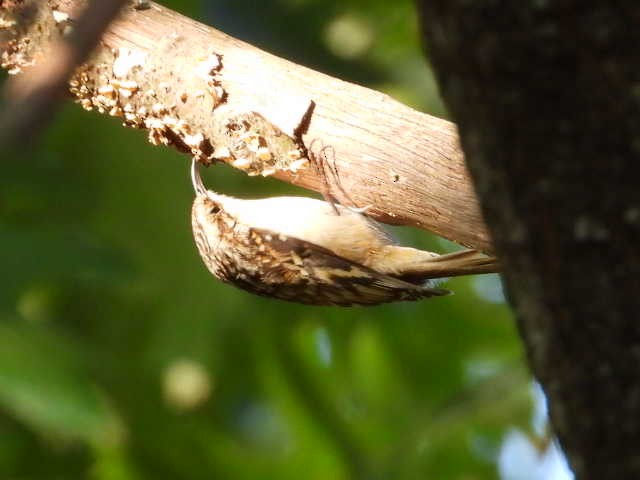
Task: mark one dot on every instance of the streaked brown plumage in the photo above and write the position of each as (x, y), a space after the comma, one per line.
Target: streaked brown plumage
(299, 249)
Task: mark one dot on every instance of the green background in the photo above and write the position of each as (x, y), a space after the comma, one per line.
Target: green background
(122, 358)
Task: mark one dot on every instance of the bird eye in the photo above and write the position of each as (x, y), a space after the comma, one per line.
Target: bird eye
(214, 210)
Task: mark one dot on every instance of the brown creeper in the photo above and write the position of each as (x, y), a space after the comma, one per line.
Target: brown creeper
(302, 250)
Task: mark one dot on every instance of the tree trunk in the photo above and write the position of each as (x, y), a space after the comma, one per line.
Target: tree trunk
(546, 95)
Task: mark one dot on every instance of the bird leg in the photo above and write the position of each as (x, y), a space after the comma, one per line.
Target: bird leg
(322, 166)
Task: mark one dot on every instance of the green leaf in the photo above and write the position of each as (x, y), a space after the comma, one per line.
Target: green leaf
(43, 386)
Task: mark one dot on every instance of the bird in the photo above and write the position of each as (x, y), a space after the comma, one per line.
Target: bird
(314, 252)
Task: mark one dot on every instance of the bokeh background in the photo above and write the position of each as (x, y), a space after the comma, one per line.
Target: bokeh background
(121, 358)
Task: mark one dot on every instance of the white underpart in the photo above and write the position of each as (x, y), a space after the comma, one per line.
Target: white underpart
(349, 234)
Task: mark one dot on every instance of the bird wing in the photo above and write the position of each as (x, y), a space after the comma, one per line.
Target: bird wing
(327, 278)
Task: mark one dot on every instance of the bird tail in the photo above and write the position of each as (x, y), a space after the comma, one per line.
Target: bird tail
(464, 262)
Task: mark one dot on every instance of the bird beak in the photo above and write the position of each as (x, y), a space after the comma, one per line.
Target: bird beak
(198, 186)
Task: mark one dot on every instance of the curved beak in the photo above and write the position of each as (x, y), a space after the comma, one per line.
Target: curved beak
(198, 186)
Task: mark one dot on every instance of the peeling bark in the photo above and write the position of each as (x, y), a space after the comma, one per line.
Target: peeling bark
(220, 99)
(546, 95)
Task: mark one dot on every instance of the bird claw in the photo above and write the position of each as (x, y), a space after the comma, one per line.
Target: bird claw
(364, 209)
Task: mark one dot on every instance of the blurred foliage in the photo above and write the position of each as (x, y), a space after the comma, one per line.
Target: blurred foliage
(122, 358)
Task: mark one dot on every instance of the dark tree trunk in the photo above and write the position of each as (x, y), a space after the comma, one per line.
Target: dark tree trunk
(547, 97)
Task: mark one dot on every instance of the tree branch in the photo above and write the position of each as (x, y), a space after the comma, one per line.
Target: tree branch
(217, 98)
(33, 97)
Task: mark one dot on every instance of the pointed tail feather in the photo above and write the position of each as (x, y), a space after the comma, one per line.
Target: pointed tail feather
(464, 262)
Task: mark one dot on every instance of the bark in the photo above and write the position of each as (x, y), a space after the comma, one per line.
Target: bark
(546, 96)
(219, 99)
(33, 98)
